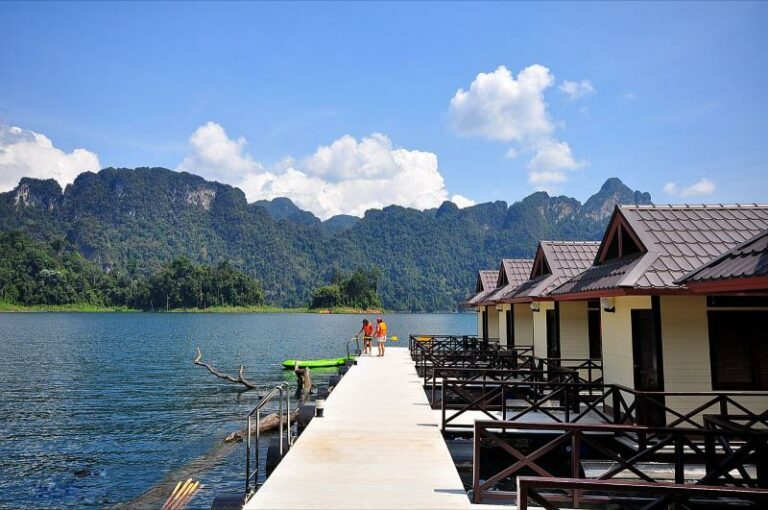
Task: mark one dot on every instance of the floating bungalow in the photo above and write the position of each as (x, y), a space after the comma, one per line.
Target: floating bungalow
(658, 334)
(626, 373)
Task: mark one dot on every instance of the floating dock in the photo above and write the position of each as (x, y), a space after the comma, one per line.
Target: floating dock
(378, 446)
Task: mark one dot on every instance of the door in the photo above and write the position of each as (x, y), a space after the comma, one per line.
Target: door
(648, 369)
(510, 328)
(485, 324)
(553, 338)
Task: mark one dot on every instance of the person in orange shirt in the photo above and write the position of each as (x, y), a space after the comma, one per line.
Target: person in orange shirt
(381, 335)
(367, 332)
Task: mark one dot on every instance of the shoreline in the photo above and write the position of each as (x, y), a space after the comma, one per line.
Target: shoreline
(87, 308)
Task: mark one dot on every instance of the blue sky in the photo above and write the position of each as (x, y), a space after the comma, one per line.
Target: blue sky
(664, 96)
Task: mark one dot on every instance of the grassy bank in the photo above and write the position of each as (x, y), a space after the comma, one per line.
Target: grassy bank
(73, 307)
(85, 307)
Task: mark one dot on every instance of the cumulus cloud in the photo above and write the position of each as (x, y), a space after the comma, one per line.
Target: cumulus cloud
(702, 187)
(576, 89)
(462, 201)
(504, 107)
(216, 156)
(500, 106)
(348, 176)
(25, 153)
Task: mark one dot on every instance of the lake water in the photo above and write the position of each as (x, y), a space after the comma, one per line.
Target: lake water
(95, 409)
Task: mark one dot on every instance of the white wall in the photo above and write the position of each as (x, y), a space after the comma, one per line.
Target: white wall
(540, 328)
(503, 324)
(574, 330)
(618, 366)
(493, 322)
(523, 324)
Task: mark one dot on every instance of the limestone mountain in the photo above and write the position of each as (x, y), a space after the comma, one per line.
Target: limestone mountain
(136, 220)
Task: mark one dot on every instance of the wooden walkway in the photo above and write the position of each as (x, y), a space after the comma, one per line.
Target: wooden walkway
(378, 447)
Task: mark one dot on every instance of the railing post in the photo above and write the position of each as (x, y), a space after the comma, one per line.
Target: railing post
(616, 403)
(503, 401)
(710, 453)
(679, 458)
(248, 458)
(442, 407)
(476, 496)
(575, 464)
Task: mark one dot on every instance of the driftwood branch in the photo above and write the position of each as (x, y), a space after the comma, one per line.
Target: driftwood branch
(240, 379)
(269, 422)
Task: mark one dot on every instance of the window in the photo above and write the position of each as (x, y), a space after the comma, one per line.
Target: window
(594, 329)
(738, 342)
(511, 328)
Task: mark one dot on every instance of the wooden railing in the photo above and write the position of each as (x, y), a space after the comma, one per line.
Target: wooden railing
(725, 454)
(652, 496)
(543, 391)
(559, 395)
(437, 344)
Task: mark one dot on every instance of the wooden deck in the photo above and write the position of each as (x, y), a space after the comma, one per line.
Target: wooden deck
(378, 447)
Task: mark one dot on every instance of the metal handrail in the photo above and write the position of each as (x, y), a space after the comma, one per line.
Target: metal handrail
(282, 390)
(357, 350)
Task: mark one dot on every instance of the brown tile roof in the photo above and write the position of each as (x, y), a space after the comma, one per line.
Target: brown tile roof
(678, 239)
(486, 283)
(515, 272)
(565, 259)
(744, 261)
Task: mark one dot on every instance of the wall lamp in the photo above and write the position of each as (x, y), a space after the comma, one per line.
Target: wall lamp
(499, 308)
(607, 304)
(535, 306)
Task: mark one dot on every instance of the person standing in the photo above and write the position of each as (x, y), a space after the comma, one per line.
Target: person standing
(381, 335)
(367, 332)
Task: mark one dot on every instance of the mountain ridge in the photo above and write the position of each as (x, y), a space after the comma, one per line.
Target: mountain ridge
(138, 219)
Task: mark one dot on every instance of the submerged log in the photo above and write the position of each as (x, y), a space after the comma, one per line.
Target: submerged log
(269, 422)
(240, 379)
(303, 382)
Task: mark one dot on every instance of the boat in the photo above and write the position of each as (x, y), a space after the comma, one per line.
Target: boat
(317, 363)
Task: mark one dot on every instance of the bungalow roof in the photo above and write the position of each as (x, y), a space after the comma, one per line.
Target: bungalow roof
(747, 260)
(666, 242)
(486, 283)
(512, 273)
(555, 262)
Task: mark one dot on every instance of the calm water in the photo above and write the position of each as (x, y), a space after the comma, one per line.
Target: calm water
(97, 408)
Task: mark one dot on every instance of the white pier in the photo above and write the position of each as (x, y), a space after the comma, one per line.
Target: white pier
(377, 447)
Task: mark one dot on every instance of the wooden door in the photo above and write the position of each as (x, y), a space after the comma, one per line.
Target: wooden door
(553, 338)
(648, 369)
(485, 324)
(510, 328)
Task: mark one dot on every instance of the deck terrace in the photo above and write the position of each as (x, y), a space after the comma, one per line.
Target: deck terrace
(378, 446)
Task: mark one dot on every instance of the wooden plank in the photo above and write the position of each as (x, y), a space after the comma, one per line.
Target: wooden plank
(378, 446)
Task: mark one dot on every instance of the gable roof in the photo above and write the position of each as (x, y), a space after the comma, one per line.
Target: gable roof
(486, 283)
(747, 260)
(678, 239)
(512, 273)
(564, 259)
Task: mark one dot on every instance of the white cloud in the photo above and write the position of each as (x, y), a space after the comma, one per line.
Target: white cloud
(702, 187)
(501, 106)
(462, 201)
(25, 153)
(670, 188)
(553, 154)
(348, 176)
(576, 89)
(216, 156)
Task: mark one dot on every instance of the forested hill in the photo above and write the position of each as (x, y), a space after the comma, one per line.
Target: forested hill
(134, 221)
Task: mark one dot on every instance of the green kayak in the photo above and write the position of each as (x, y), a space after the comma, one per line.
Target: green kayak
(317, 363)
